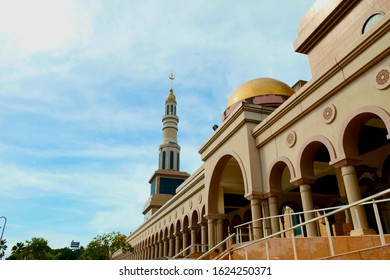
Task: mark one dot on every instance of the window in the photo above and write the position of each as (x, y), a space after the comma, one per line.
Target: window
(163, 160)
(171, 160)
(371, 21)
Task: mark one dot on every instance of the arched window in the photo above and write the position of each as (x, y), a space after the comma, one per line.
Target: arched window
(171, 160)
(371, 21)
(163, 160)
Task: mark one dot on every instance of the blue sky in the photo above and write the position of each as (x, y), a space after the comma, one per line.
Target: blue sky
(82, 91)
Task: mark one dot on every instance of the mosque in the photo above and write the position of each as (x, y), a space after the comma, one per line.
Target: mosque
(286, 173)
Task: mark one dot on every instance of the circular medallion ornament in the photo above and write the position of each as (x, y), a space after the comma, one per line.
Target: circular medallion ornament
(329, 113)
(291, 138)
(382, 77)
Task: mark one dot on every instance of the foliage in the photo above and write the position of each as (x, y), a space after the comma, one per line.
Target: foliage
(103, 246)
(100, 248)
(67, 253)
(3, 247)
(38, 249)
(35, 249)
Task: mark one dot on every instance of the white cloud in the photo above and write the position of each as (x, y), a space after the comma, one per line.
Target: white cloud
(83, 87)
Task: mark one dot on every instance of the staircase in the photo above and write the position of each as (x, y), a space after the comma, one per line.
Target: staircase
(312, 248)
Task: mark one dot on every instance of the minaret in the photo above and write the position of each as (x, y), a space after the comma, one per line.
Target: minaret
(169, 149)
(168, 177)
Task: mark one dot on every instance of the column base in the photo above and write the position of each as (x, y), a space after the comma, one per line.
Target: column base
(361, 232)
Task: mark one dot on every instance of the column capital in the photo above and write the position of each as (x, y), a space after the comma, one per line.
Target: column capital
(308, 180)
(215, 216)
(271, 194)
(254, 196)
(194, 227)
(345, 161)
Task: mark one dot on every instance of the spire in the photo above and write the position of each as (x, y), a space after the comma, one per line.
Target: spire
(171, 96)
(169, 148)
(171, 77)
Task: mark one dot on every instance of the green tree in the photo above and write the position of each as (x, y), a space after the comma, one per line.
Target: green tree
(35, 249)
(67, 254)
(3, 247)
(103, 246)
(38, 249)
(17, 252)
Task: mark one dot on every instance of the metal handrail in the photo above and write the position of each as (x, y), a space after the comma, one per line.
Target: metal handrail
(216, 246)
(341, 208)
(188, 248)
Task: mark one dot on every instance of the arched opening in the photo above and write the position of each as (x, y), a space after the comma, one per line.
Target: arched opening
(290, 219)
(326, 185)
(195, 232)
(366, 136)
(280, 176)
(227, 194)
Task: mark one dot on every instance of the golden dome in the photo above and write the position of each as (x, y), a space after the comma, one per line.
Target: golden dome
(259, 87)
(171, 96)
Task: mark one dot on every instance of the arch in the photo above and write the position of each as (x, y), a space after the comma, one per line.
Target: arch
(178, 226)
(353, 124)
(161, 235)
(195, 218)
(275, 173)
(171, 230)
(165, 233)
(218, 170)
(308, 153)
(202, 217)
(185, 224)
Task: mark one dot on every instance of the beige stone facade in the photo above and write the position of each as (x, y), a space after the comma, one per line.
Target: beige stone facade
(327, 144)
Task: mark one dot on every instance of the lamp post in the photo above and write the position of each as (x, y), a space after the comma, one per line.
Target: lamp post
(1, 237)
(2, 231)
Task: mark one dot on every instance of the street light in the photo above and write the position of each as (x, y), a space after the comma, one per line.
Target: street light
(2, 232)
(5, 222)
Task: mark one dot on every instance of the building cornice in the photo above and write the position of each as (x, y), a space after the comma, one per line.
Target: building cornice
(340, 71)
(243, 114)
(321, 23)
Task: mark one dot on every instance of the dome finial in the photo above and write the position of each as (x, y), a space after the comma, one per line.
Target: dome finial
(171, 77)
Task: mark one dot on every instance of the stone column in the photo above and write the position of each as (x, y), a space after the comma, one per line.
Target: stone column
(352, 189)
(256, 215)
(193, 239)
(219, 229)
(211, 232)
(203, 236)
(274, 211)
(171, 246)
(161, 248)
(177, 243)
(266, 224)
(152, 251)
(185, 242)
(166, 252)
(307, 205)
